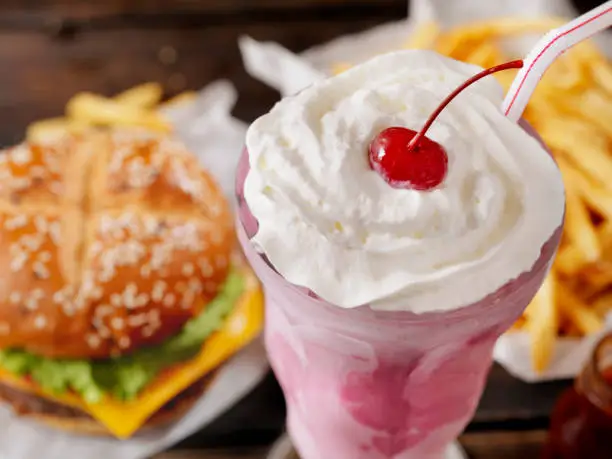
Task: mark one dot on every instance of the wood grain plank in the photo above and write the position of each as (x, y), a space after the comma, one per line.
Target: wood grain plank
(489, 445)
(203, 454)
(504, 444)
(121, 13)
(40, 74)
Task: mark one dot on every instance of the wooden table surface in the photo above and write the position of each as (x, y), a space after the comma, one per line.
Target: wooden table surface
(510, 423)
(50, 49)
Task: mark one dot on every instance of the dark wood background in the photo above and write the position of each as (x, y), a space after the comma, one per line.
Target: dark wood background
(51, 49)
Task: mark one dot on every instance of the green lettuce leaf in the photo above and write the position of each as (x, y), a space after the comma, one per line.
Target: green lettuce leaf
(124, 377)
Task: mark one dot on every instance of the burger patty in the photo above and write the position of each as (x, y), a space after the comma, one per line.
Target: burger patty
(25, 403)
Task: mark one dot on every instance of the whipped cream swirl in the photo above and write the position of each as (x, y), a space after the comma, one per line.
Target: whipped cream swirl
(328, 222)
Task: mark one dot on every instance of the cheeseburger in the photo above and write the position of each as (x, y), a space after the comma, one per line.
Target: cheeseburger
(119, 294)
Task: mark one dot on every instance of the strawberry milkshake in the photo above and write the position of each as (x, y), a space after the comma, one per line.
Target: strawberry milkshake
(390, 271)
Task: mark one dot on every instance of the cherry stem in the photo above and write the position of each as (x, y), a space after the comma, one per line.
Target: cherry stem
(498, 68)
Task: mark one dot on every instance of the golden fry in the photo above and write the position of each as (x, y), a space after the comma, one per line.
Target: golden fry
(87, 107)
(602, 305)
(424, 37)
(596, 107)
(576, 310)
(52, 128)
(571, 109)
(602, 74)
(569, 260)
(592, 157)
(182, 98)
(487, 55)
(341, 67)
(579, 228)
(146, 95)
(597, 198)
(543, 324)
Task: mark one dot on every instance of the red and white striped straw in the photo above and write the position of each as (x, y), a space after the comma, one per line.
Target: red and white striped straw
(551, 46)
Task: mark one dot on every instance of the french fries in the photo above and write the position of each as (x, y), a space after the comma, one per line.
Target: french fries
(542, 321)
(139, 106)
(571, 109)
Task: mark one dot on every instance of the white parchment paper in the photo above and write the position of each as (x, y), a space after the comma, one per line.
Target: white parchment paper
(206, 126)
(289, 72)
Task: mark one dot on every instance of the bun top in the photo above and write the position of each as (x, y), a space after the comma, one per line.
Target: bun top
(109, 241)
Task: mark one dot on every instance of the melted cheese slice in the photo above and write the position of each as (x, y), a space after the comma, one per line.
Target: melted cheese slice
(122, 419)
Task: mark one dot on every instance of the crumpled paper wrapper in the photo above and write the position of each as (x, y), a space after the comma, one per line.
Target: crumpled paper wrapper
(513, 352)
(289, 73)
(208, 129)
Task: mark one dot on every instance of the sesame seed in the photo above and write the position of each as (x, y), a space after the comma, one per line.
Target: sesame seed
(147, 331)
(59, 297)
(141, 300)
(41, 224)
(195, 285)
(104, 310)
(15, 297)
(96, 247)
(169, 300)
(40, 321)
(97, 323)
(124, 342)
(31, 304)
(38, 171)
(68, 309)
(21, 155)
(93, 341)
(104, 332)
(187, 300)
(117, 323)
(55, 231)
(80, 301)
(44, 256)
(32, 241)
(38, 293)
(154, 316)
(158, 290)
(188, 269)
(220, 261)
(116, 300)
(18, 262)
(206, 267)
(106, 276)
(145, 271)
(137, 320)
(106, 224)
(41, 271)
(19, 221)
(151, 225)
(21, 183)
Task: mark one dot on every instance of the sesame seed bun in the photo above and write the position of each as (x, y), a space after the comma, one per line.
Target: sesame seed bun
(109, 241)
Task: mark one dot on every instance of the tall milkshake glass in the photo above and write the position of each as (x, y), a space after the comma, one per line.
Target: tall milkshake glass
(367, 384)
(362, 383)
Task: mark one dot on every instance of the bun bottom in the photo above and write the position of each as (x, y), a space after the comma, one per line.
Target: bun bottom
(82, 423)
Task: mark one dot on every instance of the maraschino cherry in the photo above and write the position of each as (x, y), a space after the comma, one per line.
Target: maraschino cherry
(409, 159)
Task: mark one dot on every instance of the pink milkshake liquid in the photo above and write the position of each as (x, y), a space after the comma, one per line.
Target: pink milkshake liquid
(366, 384)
